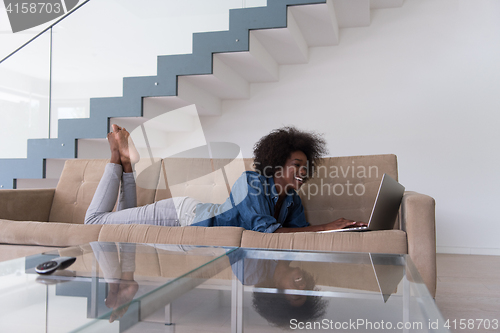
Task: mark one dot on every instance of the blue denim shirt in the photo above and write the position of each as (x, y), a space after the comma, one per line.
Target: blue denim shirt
(255, 271)
(251, 205)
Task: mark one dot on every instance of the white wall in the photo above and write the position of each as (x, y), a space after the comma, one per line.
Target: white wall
(423, 82)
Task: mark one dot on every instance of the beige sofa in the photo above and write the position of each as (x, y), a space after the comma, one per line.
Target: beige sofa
(32, 221)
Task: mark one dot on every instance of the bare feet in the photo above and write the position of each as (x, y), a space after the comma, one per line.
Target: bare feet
(126, 147)
(119, 295)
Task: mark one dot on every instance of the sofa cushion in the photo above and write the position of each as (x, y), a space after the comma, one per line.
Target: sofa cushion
(79, 181)
(200, 178)
(346, 187)
(387, 241)
(141, 233)
(47, 233)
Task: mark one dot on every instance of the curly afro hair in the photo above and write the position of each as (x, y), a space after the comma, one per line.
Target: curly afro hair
(278, 310)
(272, 151)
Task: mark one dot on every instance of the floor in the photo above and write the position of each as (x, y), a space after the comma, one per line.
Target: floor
(468, 289)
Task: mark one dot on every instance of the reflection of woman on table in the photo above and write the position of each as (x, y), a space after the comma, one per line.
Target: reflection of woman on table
(117, 263)
(118, 267)
(279, 308)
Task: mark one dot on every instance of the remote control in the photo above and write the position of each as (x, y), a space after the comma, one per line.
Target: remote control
(51, 266)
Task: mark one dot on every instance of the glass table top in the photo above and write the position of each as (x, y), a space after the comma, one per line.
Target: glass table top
(123, 287)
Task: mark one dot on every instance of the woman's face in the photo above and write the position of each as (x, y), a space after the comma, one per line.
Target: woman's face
(294, 280)
(293, 174)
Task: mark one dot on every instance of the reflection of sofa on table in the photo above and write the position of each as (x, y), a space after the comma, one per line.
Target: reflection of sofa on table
(31, 220)
(155, 262)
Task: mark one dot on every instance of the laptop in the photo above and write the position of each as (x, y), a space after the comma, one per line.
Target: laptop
(385, 209)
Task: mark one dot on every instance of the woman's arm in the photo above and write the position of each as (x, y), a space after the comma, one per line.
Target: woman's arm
(337, 224)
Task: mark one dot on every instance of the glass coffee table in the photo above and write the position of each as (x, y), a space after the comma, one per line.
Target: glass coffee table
(122, 287)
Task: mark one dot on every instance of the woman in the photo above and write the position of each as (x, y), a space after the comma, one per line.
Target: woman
(264, 200)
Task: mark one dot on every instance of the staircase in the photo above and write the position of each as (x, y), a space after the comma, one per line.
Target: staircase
(222, 66)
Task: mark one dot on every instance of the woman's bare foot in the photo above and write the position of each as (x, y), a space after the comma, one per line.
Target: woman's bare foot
(112, 297)
(115, 151)
(126, 293)
(128, 152)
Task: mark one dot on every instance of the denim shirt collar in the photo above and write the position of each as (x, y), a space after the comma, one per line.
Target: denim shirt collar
(274, 193)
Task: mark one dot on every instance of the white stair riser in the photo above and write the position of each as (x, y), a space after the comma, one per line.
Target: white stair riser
(352, 13)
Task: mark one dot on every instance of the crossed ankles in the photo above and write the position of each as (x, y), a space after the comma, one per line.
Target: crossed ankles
(122, 148)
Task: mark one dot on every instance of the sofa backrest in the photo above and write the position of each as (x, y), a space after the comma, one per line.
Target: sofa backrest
(342, 186)
(207, 180)
(79, 180)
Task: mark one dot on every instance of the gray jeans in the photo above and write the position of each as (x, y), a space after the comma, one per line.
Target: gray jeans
(169, 212)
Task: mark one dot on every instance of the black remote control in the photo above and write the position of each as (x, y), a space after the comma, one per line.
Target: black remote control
(51, 266)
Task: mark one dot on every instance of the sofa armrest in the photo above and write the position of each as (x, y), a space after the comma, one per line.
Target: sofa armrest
(418, 220)
(26, 205)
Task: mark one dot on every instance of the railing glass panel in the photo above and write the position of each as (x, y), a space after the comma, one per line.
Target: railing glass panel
(12, 41)
(24, 97)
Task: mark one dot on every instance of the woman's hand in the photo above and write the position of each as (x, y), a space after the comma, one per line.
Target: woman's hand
(343, 223)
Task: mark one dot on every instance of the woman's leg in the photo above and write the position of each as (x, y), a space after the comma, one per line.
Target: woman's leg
(128, 192)
(107, 191)
(100, 209)
(161, 213)
(105, 195)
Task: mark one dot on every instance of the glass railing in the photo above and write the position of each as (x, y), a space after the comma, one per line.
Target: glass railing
(88, 53)
(24, 97)
(12, 42)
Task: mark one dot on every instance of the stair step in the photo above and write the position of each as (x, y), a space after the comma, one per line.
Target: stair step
(255, 65)
(285, 45)
(37, 183)
(129, 123)
(206, 103)
(318, 23)
(93, 148)
(54, 167)
(224, 83)
(379, 4)
(352, 13)
(155, 106)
